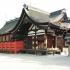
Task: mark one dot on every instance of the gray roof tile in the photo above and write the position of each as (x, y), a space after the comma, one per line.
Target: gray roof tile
(57, 15)
(38, 15)
(9, 25)
(40, 18)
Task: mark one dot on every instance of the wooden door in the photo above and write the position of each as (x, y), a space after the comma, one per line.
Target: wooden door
(50, 42)
(60, 42)
(28, 43)
(41, 42)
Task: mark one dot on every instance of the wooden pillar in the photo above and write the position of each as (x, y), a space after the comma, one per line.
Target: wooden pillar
(45, 41)
(55, 41)
(15, 47)
(35, 30)
(35, 39)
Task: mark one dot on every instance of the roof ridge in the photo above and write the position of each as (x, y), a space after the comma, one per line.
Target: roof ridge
(36, 9)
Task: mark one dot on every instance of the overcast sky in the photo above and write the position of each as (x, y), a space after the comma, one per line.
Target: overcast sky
(10, 9)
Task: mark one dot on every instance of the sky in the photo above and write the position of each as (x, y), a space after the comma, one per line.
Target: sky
(10, 9)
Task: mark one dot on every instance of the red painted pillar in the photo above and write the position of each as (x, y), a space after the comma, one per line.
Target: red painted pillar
(10, 47)
(5, 45)
(15, 47)
(1, 45)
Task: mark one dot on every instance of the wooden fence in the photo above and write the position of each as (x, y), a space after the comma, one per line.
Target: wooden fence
(12, 46)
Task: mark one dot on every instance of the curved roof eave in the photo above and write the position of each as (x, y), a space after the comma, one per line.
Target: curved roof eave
(44, 23)
(37, 21)
(9, 25)
(35, 16)
(31, 14)
(19, 21)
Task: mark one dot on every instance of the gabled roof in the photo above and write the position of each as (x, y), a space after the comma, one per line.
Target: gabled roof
(58, 15)
(9, 25)
(55, 13)
(35, 16)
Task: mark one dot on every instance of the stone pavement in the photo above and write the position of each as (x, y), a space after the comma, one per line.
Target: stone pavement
(34, 62)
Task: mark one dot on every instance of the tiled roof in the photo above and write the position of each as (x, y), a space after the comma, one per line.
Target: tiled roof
(65, 24)
(9, 25)
(57, 15)
(37, 15)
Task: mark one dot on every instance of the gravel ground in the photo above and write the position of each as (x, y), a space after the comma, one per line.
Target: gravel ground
(34, 62)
